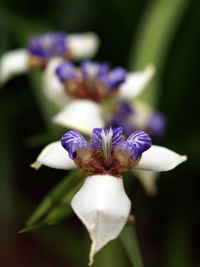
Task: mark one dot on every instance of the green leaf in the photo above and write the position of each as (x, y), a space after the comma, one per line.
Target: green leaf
(31, 228)
(63, 210)
(54, 197)
(129, 240)
(155, 33)
(58, 214)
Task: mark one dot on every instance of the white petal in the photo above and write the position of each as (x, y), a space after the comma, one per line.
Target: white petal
(83, 45)
(159, 159)
(103, 207)
(148, 180)
(141, 115)
(13, 63)
(135, 83)
(53, 88)
(54, 156)
(82, 115)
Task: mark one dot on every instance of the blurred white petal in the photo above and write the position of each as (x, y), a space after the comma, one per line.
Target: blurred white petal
(135, 83)
(82, 115)
(141, 115)
(13, 63)
(54, 156)
(103, 207)
(158, 158)
(53, 88)
(148, 180)
(83, 45)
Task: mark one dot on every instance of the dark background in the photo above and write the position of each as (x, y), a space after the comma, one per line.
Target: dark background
(168, 224)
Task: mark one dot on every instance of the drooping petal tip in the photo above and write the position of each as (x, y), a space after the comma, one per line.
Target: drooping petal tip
(135, 83)
(103, 207)
(54, 156)
(160, 159)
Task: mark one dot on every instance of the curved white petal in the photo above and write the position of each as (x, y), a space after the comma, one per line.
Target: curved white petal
(54, 156)
(158, 158)
(53, 88)
(83, 45)
(13, 63)
(103, 207)
(82, 115)
(135, 83)
(148, 180)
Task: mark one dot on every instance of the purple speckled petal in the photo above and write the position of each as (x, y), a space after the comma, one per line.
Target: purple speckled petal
(140, 142)
(114, 78)
(92, 69)
(156, 125)
(73, 140)
(137, 143)
(96, 141)
(65, 71)
(48, 45)
(117, 136)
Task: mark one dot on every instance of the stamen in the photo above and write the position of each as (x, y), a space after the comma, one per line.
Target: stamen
(107, 143)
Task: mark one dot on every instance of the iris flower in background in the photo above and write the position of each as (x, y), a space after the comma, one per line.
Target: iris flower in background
(42, 48)
(140, 116)
(81, 91)
(101, 203)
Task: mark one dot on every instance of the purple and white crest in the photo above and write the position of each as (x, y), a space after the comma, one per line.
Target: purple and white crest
(92, 69)
(66, 71)
(114, 78)
(109, 143)
(72, 141)
(93, 80)
(48, 45)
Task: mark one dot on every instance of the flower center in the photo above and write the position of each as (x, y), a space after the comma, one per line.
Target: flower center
(92, 80)
(107, 153)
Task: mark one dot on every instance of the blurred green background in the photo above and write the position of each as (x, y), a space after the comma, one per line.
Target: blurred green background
(132, 33)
